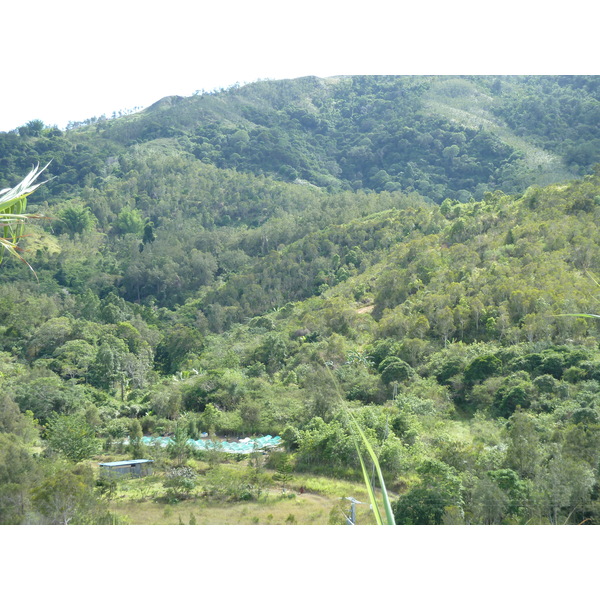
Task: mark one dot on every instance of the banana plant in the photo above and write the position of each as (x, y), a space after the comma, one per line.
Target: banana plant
(13, 215)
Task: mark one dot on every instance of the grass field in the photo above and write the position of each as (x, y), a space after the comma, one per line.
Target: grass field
(276, 509)
(308, 500)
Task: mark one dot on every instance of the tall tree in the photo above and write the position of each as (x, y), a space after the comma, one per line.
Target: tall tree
(72, 436)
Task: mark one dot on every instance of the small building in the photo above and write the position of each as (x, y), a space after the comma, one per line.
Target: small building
(127, 468)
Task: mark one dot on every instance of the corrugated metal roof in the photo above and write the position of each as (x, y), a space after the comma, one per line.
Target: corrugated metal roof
(123, 463)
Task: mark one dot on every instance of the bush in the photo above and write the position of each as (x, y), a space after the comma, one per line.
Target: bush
(482, 367)
(574, 374)
(179, 483)
(529, 363)
(545, 384)
(516, 391)
(231, 486)
(395, 369)
(448, 369)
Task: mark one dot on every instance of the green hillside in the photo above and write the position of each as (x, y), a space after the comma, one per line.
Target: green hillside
(263, 259)
(441, 136)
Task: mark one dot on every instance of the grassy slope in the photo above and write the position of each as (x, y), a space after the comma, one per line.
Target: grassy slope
(309, 500)
(470, 107)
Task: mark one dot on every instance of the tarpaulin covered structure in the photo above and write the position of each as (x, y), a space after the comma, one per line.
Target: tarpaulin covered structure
(243, 446)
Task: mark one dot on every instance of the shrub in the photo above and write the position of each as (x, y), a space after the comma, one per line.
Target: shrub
(516, 391)
(528, 362)
(574, 374)
(395, 369)
(545, 384)
(482, 367)
(448, 369)
(179, 483)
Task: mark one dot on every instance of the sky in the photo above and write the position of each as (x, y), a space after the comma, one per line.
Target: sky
(67, 61)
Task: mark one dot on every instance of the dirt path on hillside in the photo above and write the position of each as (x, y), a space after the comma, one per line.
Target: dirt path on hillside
(365, 309)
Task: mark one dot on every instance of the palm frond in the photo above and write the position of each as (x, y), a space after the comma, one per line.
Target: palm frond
(385, 498)
(10, 196)
(370, 491)
(13, 215)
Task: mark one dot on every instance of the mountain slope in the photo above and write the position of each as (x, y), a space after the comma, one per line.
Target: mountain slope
(440, 136)
(263, 259)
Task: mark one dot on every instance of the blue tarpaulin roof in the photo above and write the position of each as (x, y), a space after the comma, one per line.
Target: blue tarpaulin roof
(245, 446)
(123, 463)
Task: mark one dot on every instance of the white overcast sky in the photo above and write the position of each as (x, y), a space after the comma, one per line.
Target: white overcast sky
(70, 60)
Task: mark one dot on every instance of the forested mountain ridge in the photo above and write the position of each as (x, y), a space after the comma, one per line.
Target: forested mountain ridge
(440, 136)
(178, 294)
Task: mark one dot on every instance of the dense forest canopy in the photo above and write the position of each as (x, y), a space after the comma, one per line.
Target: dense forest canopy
(211, 262)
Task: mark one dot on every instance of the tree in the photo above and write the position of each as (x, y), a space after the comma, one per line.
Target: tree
(482, 367)
(72, 436)
(564, 485)
(105, 370)
(179, 449)
(210, 418)
(17, 469)
(12, 420)
(427, 502)
(490, 502)
(129, 220)
(135, 440)
(272, 353)
(524, 451)
(514, 487)
(46, 394)
(76, 219)
(284, 471)
(421, 506)
(444, 323)
(66, 496)
(165, 401)
(47, 338)
(450, 153)
(250, 412)
(148, 236)
(516, 391)
(73, 359)
(175, 347)
(395, 369)
(31, 128)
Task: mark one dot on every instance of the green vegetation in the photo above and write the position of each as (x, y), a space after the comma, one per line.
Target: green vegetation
(340, 262)
(13, 204)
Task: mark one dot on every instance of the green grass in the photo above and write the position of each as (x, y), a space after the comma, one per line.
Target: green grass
(306, 509)
(309, 500)
(471, 108)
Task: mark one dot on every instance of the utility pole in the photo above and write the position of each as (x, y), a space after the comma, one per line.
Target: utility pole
(351, 520)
